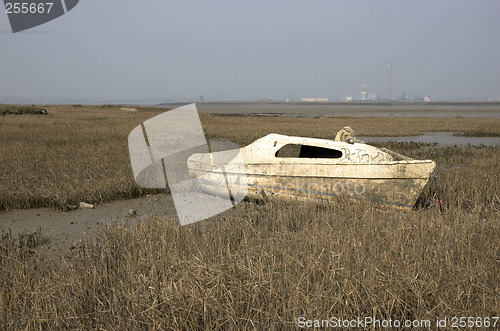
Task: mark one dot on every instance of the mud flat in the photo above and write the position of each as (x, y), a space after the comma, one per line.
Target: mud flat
(64, 231)
(341, 109)
(439, 138)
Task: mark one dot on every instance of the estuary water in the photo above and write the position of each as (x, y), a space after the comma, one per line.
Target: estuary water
(440, 138)
(343, 109)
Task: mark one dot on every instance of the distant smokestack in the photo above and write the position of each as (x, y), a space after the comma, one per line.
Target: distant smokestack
(389, 81)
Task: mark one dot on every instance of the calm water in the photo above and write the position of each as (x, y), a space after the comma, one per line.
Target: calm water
(441, 138)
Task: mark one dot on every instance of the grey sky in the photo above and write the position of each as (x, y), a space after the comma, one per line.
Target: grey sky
(160, 50)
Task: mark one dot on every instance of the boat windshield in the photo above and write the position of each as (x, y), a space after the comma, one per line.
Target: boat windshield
(306, 151)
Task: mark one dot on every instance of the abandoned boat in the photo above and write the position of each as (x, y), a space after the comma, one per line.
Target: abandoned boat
(309, 168)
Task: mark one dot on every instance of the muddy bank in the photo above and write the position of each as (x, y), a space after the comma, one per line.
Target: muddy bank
(64, 230)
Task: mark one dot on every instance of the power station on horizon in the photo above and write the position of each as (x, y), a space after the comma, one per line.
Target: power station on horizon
(367, 95)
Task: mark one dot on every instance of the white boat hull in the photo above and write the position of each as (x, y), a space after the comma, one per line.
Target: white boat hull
(397, 183)
(384, 187)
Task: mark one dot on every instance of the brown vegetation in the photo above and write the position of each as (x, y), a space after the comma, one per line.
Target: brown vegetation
(70, 155)
(80, 153)
(244, 130)
(260, 265)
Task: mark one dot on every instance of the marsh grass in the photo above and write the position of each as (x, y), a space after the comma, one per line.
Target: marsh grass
(244, 130)
(70, 155)
(80, 153)
(261, 265)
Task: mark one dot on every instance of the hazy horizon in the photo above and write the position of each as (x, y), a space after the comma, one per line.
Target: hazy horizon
(176, 51)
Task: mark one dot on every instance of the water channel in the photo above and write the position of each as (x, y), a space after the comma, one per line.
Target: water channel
(441, 138)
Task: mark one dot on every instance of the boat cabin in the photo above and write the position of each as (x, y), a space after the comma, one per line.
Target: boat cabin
(281, 148)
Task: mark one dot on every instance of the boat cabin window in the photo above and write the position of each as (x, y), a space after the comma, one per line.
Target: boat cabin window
(305, 151)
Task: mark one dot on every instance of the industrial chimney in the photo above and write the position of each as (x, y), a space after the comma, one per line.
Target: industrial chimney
(389, 81)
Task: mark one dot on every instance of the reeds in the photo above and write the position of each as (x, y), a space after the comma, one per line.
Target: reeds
(80, 153)
(261, 265)
(70, 155)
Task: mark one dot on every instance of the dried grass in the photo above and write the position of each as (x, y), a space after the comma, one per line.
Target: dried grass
(261, 265)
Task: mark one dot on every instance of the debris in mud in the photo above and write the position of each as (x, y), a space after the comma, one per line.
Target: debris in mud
(20, 110)
(128, 109)
(86, 205)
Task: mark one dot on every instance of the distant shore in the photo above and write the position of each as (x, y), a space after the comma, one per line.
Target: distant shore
(354, 109)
